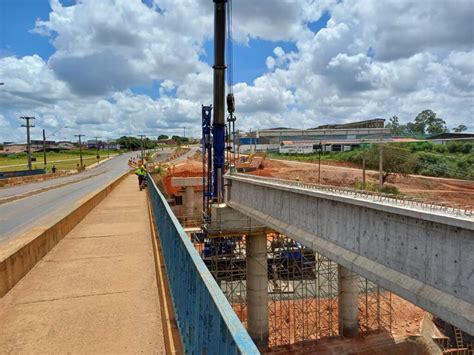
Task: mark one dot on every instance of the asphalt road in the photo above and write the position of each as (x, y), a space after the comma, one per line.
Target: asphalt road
(42, 203)
(41, 208)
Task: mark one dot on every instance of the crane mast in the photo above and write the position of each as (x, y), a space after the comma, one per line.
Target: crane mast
(219, 124)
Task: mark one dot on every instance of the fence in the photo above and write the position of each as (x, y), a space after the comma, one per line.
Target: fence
(206, 321)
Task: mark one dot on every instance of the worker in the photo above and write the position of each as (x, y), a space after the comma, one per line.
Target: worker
(141, 173)
(53, 169)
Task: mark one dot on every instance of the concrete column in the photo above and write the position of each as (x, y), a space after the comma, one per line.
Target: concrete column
(348, 296)
(189, 200)
(257, 289)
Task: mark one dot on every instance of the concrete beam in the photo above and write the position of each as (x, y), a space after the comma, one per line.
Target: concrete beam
(422, 257)
(186, 181)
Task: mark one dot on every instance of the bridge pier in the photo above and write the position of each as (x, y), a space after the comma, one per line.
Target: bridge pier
(348, 282)
(257, 289)
(189, 200)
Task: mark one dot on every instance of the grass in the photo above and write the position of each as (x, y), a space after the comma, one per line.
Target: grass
(63, 160)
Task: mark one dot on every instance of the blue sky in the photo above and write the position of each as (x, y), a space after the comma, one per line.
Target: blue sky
(18, 18)
(116, 66)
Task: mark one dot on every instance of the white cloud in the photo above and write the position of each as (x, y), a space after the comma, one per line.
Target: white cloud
(374, 59)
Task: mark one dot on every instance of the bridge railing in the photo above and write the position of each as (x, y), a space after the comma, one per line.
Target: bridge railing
(206, 321)
(384, 198)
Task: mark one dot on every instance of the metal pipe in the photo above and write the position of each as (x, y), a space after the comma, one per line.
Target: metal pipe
(218, 125)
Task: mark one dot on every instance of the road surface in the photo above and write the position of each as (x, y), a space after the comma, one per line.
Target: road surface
(42, 203)
(40, 208)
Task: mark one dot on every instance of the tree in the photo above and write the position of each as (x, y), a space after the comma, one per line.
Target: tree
(163, 136)
(460, 128)
(180, 140)
(395, 127)
(395, 160)
(427, 122)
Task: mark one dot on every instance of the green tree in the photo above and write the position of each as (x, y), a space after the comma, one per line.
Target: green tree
(395, 127)
(163, 136)
(395, 160)
(460, 128)
(427, 122)
(180, 140)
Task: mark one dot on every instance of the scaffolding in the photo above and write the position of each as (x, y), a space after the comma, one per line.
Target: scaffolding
(302, 285)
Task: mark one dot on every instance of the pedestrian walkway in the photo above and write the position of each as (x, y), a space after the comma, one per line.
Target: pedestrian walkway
(95, 292)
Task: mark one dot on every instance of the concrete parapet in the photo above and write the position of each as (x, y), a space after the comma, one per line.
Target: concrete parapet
(17, 262)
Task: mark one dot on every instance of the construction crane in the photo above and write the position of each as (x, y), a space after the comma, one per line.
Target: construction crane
(214, 135)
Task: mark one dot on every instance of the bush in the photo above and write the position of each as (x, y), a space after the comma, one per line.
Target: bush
(440, 148)
(390, 189)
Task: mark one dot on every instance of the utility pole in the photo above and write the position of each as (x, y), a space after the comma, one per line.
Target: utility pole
(363, 170)
(28, 126)
(319, 162)
(97, 146)
(381, 166)
(141, 137)
(80, 149)
(363, 166)
(44, 148)
(184, 132)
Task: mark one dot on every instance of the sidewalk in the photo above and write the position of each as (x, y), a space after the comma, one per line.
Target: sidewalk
(95, 292)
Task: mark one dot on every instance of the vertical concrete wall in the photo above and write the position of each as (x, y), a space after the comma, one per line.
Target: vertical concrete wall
(257, 289)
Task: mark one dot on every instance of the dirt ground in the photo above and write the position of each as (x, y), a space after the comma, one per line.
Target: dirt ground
(344, 174)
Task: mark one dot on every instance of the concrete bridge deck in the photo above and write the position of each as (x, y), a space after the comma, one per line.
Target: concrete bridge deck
(95, 292)
(421, 252)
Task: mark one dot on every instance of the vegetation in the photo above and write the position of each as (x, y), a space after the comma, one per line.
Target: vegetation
(454, 160)
(180, 140)
(134, 143)
(425, 123)
(371, 186)
(63, 160)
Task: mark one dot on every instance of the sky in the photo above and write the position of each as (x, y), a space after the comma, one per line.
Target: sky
(126, 67)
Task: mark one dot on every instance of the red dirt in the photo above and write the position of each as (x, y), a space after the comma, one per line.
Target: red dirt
(191, 168)
(343, 174)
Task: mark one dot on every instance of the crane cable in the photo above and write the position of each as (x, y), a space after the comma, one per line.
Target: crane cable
(230, 136)
(230, 81)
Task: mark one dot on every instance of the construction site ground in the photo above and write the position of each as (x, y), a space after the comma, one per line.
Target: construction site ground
(406, 317)
(96, 291)
(346, 175)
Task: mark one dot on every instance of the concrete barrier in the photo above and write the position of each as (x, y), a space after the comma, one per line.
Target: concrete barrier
(32, 178)
(20, 261)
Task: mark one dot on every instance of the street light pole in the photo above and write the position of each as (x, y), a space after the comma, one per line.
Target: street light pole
(28, 141)
(80, 149)
(141, 137)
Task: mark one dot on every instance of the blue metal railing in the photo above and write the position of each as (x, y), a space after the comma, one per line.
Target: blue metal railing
(206, 321)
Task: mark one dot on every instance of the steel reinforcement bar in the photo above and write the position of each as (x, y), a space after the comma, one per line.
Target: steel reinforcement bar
(206, 321)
